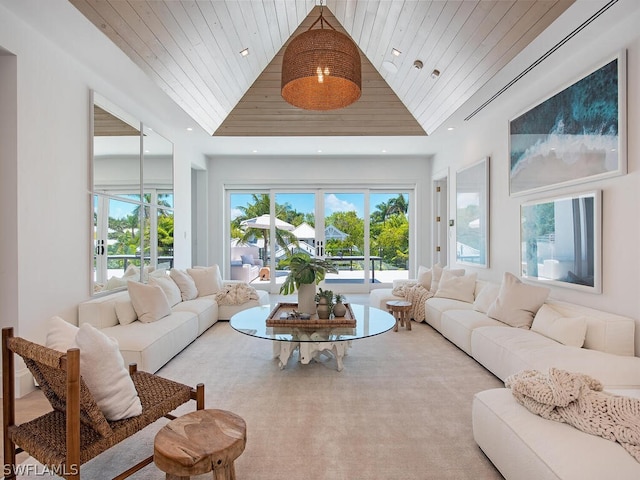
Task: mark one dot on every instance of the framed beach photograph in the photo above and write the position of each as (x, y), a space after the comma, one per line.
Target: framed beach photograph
(472, 214)
(560, 241)
(577, 135)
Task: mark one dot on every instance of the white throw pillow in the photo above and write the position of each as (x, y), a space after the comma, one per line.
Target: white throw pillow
(437, 275)
(517, 302)
(185, 283)
(125, 312)
(425, 276)
(486, 297)
(569, 331)
(103, 370)
(61, 335)
(457, 287)
(169, 287)
(149, 301)
(208, 279)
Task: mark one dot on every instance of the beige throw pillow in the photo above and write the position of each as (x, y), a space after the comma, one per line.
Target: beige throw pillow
(61, 335)
(437, 275)
(569, 331)
(169, 287)
(103, 370)
(149, 301)
(125, 312)
(425, 276)
(517, 302)
(486, 297)
(457, 287)
(207, 279)
(185, 283)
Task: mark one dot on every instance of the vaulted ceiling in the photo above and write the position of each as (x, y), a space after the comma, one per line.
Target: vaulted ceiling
(191, 49)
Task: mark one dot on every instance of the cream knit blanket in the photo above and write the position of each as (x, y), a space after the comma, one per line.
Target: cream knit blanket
(578, 400)
(235, 294)
(417, 295)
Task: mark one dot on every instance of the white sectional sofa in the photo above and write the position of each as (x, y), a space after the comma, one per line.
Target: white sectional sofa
(152, 344)
(521, 444)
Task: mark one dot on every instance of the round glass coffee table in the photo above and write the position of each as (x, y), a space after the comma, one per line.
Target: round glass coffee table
(312, 342)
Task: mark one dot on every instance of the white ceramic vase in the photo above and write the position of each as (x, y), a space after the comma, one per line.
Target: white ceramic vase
(307, 298)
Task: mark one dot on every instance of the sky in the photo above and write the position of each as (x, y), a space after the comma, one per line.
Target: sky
(304, 202)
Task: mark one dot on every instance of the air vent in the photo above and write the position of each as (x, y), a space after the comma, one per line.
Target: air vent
(547, 54)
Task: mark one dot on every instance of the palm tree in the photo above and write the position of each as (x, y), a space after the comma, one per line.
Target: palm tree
(261, 206)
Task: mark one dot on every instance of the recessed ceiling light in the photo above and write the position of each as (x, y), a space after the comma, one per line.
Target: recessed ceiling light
(254, 151)
(450, 128)
(384, 150)
(418, 65)
(244, 52)
(395, 52)
(189, 129)
(319, 151)
(435, 74)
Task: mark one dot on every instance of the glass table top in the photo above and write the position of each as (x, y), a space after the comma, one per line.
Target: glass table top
(370, 321)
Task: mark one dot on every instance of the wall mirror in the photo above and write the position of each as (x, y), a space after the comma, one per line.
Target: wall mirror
(560, 241)
(472, 214)
(132, 194)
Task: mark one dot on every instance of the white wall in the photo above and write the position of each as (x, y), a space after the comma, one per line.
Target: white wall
(46, 201)
(487, 134)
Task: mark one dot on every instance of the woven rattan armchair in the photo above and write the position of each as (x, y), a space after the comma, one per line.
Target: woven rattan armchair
(76, 430)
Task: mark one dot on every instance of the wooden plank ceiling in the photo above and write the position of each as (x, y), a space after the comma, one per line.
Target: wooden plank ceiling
(191, 49)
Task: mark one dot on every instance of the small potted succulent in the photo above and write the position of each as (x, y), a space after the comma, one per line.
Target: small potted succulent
(305, 272)
(339, 308)
(324, 299)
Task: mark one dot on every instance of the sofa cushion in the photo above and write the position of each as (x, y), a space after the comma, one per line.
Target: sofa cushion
(151, 345)
(485, 297)
(169, 287)
(566, 330)
(518, 443)
(102, 369)
(506, 350)
(149, 301)
(247, 259)
(186, 284)
(517, 302)
(435, 306)
(457, 287)
(207, 279)
(457, 325)
(205, 308)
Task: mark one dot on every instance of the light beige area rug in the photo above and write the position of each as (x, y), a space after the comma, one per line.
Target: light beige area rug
(400, 409)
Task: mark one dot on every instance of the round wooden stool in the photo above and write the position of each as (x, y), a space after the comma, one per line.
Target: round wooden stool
(400, 309)
(200, 442)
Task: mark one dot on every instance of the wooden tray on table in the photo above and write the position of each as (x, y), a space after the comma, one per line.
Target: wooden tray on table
(282, 316)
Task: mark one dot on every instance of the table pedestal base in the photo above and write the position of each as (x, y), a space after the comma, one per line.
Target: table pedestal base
(310, 351)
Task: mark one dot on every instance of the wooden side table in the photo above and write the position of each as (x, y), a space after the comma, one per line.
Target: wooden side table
(400, 309)
(200, 442)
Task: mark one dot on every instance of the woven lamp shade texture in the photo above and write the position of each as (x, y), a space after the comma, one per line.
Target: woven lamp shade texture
(327, 49)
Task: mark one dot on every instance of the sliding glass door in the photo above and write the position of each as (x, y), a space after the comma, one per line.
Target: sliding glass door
(364, 232)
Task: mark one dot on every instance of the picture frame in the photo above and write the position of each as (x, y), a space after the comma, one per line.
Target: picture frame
(560, 241)
(576, 135)
(472, 214)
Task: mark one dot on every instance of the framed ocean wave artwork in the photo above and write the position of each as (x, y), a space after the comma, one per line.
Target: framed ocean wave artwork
(576, 135)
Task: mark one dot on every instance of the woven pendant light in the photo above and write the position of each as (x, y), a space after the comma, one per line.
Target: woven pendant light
(321, 70)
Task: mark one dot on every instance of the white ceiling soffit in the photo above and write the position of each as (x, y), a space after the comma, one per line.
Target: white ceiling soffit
(191, 48)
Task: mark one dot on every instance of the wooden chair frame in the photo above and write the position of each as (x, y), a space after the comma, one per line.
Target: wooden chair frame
(77, 429)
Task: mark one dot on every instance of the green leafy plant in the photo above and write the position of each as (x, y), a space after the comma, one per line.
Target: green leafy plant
(326, 294)
(305, 269)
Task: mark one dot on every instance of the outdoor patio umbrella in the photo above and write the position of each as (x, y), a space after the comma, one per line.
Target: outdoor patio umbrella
(264, 222)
